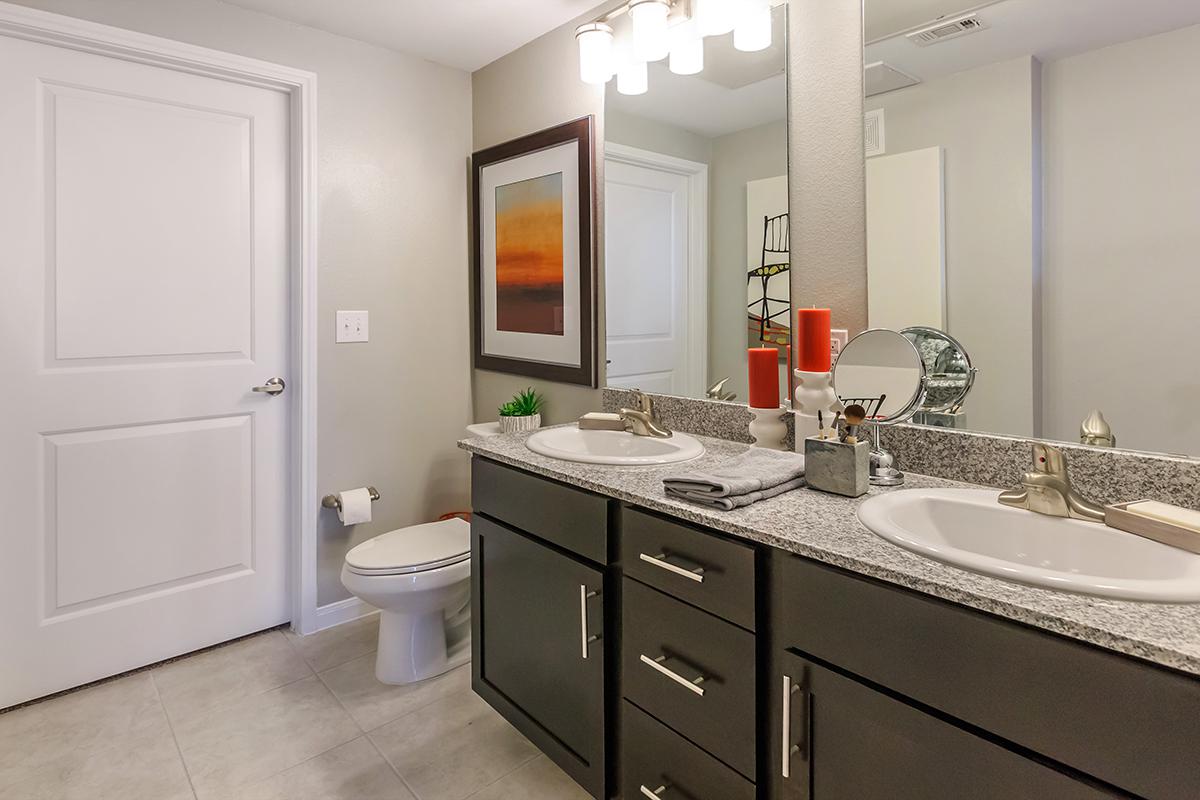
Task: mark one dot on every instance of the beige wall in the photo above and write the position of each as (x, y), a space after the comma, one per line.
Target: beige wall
(985, 122)
(532, 88)
(389, 124)
(825, 150)
(737, 158)
(658, 137)
(1122, 190)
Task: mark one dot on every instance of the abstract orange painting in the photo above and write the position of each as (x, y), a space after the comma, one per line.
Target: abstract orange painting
(529, 256)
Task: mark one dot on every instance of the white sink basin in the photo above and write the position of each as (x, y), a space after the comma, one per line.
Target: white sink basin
(968, 528)
(618, 448)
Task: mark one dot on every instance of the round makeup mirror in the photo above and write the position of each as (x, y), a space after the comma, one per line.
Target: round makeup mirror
(882, 371)
(948, 366)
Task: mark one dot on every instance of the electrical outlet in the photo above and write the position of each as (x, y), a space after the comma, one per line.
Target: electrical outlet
(351, 326)
(839, 338)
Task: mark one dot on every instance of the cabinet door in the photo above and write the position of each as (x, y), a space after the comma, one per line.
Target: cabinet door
(841, 740)
(538, 656)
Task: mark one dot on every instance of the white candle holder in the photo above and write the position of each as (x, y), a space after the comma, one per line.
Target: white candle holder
(814, 392)
(768, 428)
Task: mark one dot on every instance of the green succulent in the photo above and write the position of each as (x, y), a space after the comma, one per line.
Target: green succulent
(523, 404)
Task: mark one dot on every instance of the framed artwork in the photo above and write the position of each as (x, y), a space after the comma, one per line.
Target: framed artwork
(534, 276)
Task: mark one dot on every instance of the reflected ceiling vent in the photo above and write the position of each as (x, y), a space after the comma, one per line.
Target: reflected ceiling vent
(945, 29)
(873, 133)
(880, 77)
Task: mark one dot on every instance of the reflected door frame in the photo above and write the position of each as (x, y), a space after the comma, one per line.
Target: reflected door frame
(696, 293)
(300, 87)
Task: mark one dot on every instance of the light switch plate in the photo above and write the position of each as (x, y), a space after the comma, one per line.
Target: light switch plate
(352, 326)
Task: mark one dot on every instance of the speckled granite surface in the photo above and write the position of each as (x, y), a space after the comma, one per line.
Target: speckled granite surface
(825, 528)
(724, 420)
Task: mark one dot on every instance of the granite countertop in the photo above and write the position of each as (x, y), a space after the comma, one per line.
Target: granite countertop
(825, 528)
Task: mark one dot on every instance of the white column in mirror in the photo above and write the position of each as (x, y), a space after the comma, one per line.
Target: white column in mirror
(596, 62)
(752, 31)
(649, 19)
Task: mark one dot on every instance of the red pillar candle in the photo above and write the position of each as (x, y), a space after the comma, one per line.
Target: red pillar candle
(764, 377)
(813, 343)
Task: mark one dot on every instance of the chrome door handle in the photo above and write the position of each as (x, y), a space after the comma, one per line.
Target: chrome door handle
(694, 574)
(657, 664)
(584, 639)
(654, 794)
(273, 386)
(789, 749)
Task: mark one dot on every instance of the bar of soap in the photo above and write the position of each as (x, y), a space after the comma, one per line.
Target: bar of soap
(601, 421)
(600, 416)
(1173, 515)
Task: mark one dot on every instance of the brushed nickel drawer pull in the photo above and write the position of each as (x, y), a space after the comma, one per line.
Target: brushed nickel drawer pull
(657, 663)
(694, 574)
(654, 794)
(789, 749)
(584, 639)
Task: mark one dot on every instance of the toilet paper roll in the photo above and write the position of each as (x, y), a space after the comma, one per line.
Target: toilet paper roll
(356, 506)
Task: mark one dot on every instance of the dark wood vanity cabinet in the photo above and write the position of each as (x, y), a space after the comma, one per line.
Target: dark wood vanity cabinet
(538, 617)
(651, 658)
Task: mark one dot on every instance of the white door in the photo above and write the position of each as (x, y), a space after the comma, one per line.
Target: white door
(648, 260)
(144, 253)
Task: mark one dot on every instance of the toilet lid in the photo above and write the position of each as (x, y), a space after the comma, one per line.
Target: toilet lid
(413, 549)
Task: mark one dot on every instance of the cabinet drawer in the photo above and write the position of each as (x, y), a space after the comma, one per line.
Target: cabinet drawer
(1129, 724)
(690, 670)
(685, 562)
(654, 756)
(573, 519)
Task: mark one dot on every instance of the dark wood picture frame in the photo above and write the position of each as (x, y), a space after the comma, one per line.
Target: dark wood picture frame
(579, 130)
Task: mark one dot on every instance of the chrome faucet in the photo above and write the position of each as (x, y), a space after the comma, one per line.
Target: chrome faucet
(1047, 489)
(641, 421)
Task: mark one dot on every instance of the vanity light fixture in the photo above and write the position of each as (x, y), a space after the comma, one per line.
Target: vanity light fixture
(649, 19)
(596, 59)
(752, 32)
(661, 28)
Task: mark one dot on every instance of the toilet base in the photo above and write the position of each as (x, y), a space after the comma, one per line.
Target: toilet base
(416, 647)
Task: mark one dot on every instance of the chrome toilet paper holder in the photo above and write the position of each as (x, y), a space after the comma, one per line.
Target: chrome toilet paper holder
(333, 501)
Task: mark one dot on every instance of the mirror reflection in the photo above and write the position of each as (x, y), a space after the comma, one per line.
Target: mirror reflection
(1032, 190)
(696, 226)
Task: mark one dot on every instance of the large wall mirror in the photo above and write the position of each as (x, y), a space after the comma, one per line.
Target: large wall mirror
(696, 220)
(1033, 189)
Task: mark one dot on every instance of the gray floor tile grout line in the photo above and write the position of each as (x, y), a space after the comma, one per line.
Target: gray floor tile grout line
(411, 790)
(520, 766)
(187, 773)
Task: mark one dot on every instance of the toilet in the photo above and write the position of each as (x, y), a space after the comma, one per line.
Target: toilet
(419, 578)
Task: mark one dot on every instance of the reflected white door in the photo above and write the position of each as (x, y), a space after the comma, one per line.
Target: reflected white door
(144, 252)
(650, 302)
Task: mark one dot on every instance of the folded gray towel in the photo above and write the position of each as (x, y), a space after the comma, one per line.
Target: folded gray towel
(730, 502)
(752, 476)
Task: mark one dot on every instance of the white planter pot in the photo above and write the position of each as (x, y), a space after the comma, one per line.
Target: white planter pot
(518, 424)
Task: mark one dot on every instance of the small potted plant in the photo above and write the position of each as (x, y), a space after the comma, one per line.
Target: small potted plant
(522, 413)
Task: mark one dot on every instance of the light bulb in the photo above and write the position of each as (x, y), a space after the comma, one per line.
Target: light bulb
(649, 19)
(687, 49)
(752, 31)
(633, 77)
(715, 17)
(596, 64)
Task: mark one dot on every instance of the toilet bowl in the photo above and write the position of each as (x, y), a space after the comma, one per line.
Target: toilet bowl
(419, 577)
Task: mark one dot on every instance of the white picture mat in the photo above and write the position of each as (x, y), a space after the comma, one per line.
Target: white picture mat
(564, 349)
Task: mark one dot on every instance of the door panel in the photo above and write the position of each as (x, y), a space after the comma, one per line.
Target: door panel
(537, 613)
(646, 257)
(144, 245)
(849, 742)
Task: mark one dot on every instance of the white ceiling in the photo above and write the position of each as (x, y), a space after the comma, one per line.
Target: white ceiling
(466, 34)
(1047, 29)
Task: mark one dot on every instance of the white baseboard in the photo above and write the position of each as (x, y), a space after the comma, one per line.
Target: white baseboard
(346, 610)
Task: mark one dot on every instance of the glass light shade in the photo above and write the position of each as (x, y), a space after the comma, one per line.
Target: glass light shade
(649, 19)
(687, 49)
(633, 77)
(596, 62)
(753, 29)
(715, 17)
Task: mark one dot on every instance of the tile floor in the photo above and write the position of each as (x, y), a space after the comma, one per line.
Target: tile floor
(273, 717)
